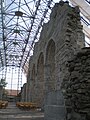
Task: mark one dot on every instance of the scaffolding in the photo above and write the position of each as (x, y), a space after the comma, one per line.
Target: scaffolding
(21, 22)
(84, 6)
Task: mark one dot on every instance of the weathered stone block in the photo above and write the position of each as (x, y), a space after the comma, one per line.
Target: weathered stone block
(55, 112)
(54, 98)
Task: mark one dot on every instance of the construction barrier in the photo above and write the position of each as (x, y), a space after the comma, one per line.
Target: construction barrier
(26, 105)
(3, 104)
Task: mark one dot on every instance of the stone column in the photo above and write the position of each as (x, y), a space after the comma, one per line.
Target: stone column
(1, 92)
(55, 106)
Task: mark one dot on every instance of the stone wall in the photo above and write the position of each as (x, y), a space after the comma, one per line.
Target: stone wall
(78, 87)
(24, 93)
(60, 38)
(58, 75)
(1, 92)
(55, 106)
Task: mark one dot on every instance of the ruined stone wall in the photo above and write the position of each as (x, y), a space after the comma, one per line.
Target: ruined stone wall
(56, 77)
(73, 103)
(78, 87)
(60, 38)
(24, 93)
(1, 92)
(59, 70)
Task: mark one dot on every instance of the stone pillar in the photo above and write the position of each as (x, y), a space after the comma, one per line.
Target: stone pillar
(55, 106)
(1, 92)
(23, 93)
(69, 39)
(78, 86)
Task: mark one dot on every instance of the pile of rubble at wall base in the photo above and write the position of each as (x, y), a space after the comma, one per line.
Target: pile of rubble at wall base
(78, 87)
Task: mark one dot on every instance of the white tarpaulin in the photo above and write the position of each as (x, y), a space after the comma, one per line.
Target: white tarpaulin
(85, 10)
(84, 7)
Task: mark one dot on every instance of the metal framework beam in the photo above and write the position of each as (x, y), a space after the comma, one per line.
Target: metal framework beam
(22, 22)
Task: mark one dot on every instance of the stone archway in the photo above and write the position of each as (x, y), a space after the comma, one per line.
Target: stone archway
(50, 67)
(40, 79)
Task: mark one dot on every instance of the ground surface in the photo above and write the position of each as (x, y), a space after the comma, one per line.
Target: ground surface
(13, 113)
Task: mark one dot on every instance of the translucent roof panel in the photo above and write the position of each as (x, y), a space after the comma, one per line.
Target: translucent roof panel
(21, 23)
(84, 6)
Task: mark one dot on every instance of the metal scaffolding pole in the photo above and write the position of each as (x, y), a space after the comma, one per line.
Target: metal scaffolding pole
(18, 85)
(21, 77)
(11, 80)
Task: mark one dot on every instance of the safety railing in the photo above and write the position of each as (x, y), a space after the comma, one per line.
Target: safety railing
(3, 104)
(26, 105)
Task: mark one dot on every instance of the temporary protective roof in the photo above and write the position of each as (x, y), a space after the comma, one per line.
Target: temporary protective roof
(84, 6)
(21, 22)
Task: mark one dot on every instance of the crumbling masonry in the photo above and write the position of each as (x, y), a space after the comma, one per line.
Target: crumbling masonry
(59, 70)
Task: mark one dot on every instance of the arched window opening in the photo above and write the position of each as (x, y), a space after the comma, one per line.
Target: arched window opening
(40, 79)
(50, 66)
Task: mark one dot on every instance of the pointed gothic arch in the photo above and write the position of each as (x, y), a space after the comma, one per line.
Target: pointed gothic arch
(40, 79)
(50, 66)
